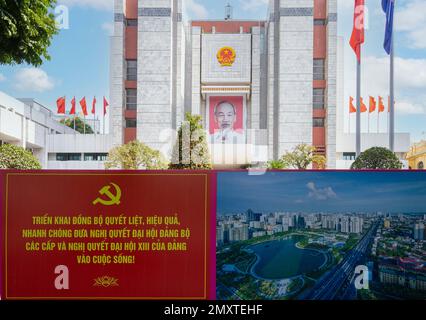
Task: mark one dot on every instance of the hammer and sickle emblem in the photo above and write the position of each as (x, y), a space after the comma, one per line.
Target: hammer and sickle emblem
(113, 199)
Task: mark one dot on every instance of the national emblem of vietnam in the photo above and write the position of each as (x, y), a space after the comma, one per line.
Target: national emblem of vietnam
(226, 56)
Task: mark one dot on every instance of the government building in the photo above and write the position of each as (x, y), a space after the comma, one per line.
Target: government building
(261, 87)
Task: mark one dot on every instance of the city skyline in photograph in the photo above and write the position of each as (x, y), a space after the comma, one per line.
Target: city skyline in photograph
(387, 192)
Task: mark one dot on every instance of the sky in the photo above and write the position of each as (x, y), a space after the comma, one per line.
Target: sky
(80, 57)
(387, 192)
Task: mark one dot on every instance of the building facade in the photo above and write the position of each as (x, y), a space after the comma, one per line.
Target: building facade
(416, 157)
(276, 78)
(32, 126)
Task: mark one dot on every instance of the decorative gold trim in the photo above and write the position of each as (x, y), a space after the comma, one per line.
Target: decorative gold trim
(103, 297)
(225, 89)
(106, 282)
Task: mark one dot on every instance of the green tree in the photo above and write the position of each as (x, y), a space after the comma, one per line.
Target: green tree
(135, 155)
(14, 157)
(302, 157)
(191, 150)
(79, 125)
(276, 164)
(377, 158)
(26, 30)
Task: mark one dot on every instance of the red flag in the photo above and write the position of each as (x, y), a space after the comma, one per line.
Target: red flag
(72, 111)
(83, 105)
(373, 104)
(352, 108)
(60, 103)
(94, 106)
(363, 106)
(357, 37)
(381, 105)
(106, 104)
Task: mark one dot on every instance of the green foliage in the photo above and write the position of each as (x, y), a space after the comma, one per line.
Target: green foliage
(302, 157)
(277, 164)
(79, 125)
(135, 155)
(377, 158)
(191, 150)
(26, 31)
(14, 157)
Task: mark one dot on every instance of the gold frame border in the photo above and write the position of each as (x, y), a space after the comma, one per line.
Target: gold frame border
(107, 298)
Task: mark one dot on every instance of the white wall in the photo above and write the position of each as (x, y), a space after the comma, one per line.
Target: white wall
(213, 72)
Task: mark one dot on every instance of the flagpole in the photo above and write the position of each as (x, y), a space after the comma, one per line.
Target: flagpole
(349, 122)
(378, 120)
(392, 101)
(368, 121)
(358, 102)
(84, 123)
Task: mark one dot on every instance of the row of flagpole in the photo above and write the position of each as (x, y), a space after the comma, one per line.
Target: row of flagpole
(61, 105)
(372, 108)
(356, 41)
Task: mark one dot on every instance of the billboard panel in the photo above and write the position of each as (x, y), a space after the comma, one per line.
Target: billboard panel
(107, 236)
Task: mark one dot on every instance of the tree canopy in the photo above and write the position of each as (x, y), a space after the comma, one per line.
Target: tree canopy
(191, 149)
(79, 125)
(135, 155)
(26, 31)
(302, 157)
(377, 158)
(15, 157)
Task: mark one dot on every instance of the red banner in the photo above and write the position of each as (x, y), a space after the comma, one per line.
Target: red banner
(79, 235)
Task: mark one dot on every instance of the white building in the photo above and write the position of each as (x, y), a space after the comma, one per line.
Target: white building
(419, 231)
(28, 124)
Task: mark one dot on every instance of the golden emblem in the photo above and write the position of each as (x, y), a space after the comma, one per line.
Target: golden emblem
(226, 56)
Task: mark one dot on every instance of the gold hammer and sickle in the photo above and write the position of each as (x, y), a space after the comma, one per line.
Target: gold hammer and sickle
(113, 199)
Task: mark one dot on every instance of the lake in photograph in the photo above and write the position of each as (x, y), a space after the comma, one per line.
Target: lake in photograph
(280, 259)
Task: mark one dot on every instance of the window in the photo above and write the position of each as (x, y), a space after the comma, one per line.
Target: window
(95, 156)
(318, 122)
(131, 22)
(319, 22)
(131, 123)
(131, 99)
(318, 98)
(349, 156)
(319, 69)
(420, 166)
(68, 157)
(131, 70)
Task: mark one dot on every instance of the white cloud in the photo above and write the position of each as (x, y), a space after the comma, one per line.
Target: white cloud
(33, 80)
(320, 194)
(108, 27)
(412, 19)
(407, 107)
(410, 81)
(253, 5)
(94, 4)
(194, 10)
(409, 73)
(2, 78)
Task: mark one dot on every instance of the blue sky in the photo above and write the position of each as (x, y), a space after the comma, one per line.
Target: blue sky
(80, 56)
(322, 192)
